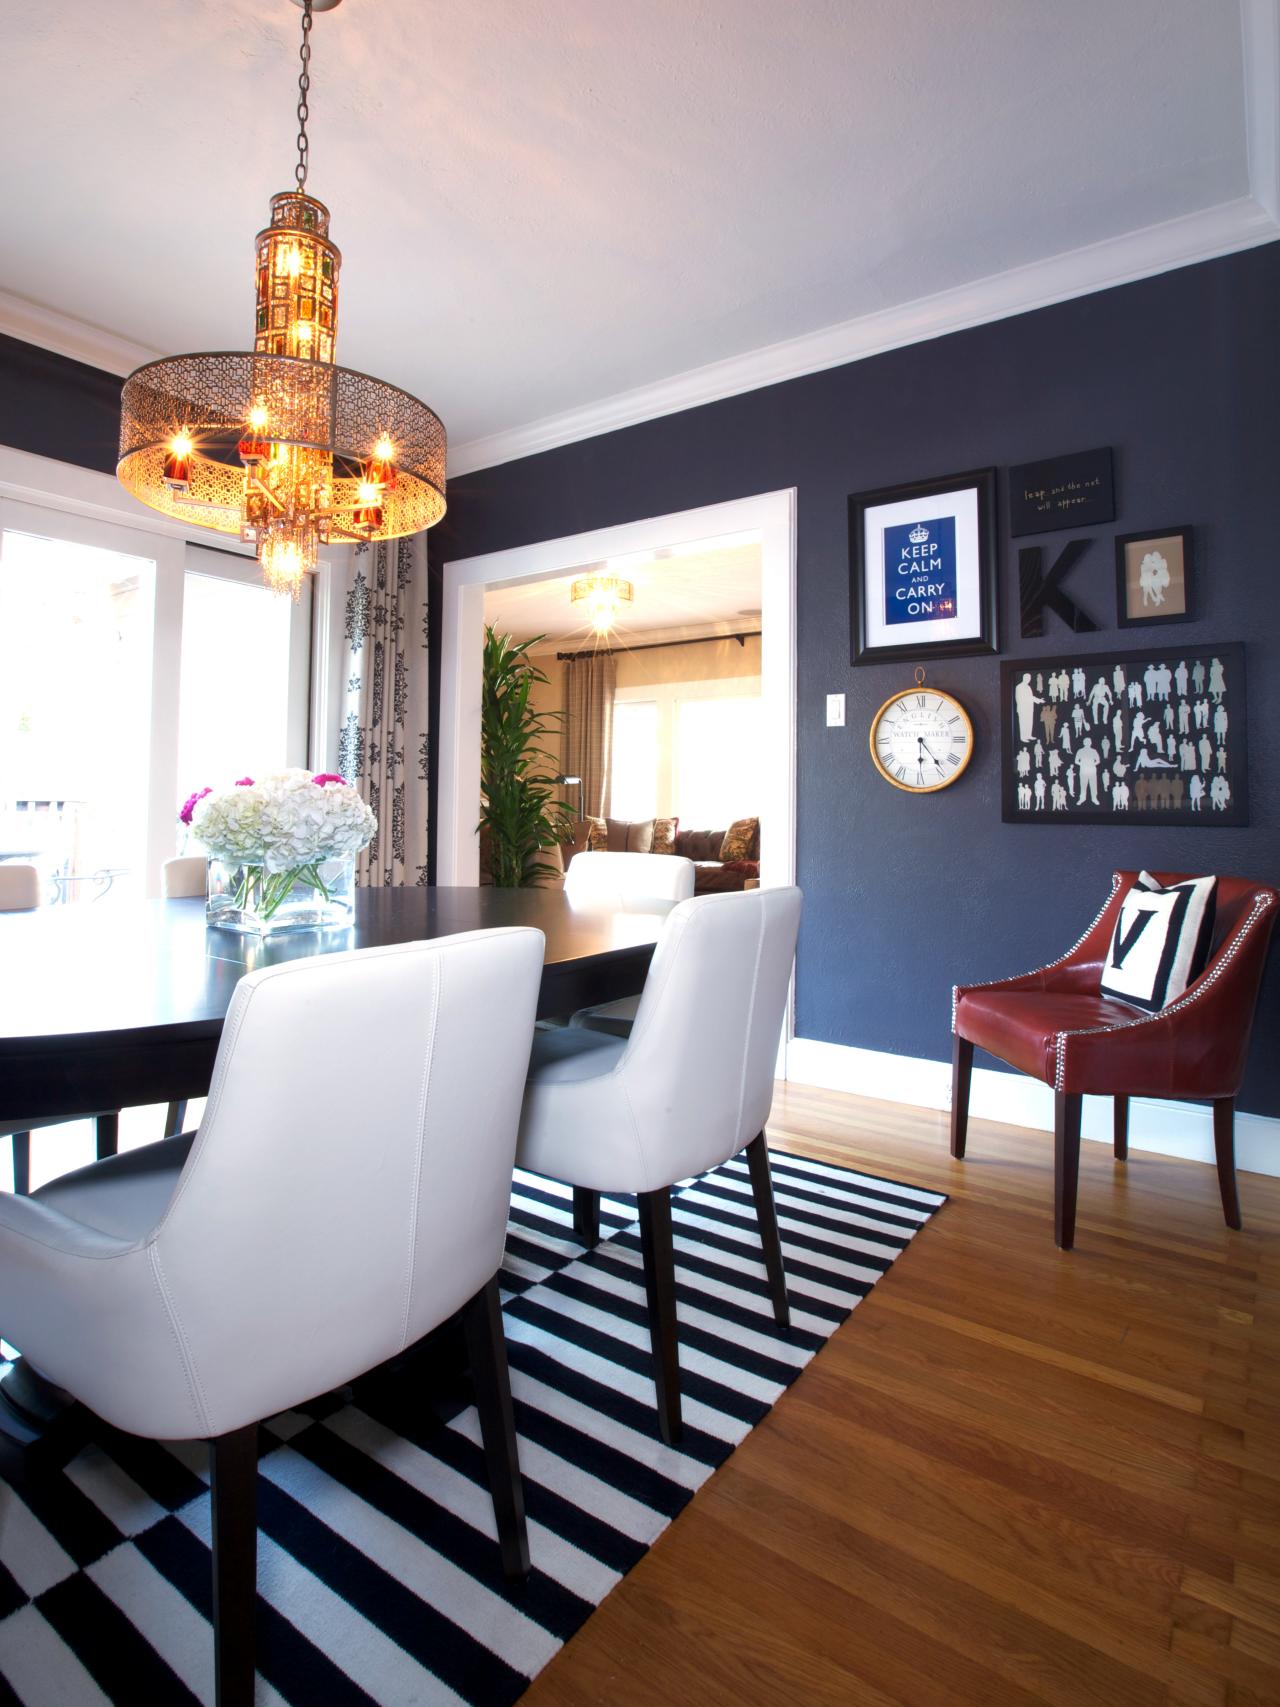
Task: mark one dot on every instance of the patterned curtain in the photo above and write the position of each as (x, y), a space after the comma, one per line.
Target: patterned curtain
(590, 685)
(382, 750)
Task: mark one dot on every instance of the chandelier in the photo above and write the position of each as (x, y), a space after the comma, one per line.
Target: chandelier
(281, 446)
(603, 597)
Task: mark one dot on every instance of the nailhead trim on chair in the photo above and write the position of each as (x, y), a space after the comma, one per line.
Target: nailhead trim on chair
(1060, 961)
(1228, 954)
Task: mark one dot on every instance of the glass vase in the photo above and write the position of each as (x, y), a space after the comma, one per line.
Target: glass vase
(258, 902)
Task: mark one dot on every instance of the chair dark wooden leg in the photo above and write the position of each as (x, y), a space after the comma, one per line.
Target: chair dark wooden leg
(233, 1462)
(1066, 1167)
(660, 1286)
(487, 1351)
(175, 1118)
(108, 1126)
(1120, 1129)
(1224, 1144)
(961, 1071)
(586, 1215)
(21, 1163)
(767, 1215)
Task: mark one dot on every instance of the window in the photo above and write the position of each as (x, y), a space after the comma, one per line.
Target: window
(233, 717)
(75, 713)
(716, 760)
(688, 748)
(134, 669)
(633, 793)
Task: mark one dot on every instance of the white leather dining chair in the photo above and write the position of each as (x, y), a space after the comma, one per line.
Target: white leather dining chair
(183, 877)
(20, 893)
(346, 1191)
(690, 1087)
(626, 882)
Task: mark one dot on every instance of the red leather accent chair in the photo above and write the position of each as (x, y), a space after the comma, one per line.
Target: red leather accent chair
(1055, 1025)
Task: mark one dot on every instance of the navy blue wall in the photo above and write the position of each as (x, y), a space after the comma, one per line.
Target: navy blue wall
(1181, 374)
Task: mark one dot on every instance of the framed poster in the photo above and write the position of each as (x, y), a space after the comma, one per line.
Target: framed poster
(1126, 738)
(1153, 577)
(1077, 491)
(922, 569)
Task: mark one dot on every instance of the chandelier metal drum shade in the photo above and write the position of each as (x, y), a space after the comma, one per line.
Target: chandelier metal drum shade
(279, 445)
(602, 597)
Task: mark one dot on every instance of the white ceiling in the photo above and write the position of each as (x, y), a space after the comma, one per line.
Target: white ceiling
(713, 587)
(544, 203)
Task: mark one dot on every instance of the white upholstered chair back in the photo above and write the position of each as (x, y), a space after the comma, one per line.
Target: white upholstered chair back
(627, 881)
(19, 888)
(698, 1068)
(347, 1188)
(185, 876)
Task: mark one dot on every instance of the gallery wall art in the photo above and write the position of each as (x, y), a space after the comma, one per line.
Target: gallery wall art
(1126, 737)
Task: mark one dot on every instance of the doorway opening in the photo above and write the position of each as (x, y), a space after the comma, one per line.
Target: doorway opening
(703, 722)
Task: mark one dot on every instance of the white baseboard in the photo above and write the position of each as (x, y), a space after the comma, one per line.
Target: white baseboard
(1169, 1128)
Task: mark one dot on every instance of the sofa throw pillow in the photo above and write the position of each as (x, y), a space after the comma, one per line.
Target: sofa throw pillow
(740, 840)
(664, 835)
(623, 835)
(598, 837)
(1161, 941)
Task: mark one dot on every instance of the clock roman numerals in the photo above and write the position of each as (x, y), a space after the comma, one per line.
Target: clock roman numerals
(920, 741)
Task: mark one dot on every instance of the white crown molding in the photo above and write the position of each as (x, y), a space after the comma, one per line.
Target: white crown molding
(1200, 236)
(1260, 35)
(49, 330)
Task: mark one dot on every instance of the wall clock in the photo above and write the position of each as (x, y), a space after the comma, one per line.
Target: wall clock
(921, 739)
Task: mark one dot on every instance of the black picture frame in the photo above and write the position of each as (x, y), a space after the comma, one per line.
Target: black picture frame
(1159, 789)
(1127, 545)
(977, 621)
(1075, 491)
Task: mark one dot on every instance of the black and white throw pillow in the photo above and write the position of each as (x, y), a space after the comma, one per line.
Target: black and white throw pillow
(1161, 941)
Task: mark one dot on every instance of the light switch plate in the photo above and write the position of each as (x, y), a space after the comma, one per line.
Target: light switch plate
(835, 711)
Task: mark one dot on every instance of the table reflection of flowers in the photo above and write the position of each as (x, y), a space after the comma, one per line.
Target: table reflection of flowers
(281, 850)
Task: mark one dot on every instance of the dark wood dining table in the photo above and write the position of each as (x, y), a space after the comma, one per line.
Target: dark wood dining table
(122, 1004)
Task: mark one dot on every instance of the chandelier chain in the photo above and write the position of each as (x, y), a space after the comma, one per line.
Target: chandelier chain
(304, 85)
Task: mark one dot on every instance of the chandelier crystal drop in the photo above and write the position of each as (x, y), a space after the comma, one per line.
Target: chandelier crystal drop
(281, 446)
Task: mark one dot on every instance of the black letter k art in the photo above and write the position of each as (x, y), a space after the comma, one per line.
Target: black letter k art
(1039, 590)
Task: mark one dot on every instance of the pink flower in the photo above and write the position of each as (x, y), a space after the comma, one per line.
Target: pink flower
(244, 782)
(189, 806)
(326, 777)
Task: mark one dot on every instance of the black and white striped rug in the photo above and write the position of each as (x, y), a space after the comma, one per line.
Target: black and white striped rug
(378, 1577)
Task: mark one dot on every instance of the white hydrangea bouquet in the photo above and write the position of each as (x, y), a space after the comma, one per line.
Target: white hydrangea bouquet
(282, 850)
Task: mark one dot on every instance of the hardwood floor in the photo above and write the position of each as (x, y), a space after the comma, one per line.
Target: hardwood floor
(1013, 1476)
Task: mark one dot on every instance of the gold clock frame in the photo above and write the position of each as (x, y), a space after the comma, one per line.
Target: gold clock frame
(946, 781)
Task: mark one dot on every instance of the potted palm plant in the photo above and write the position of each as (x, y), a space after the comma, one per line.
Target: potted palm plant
(520, 816)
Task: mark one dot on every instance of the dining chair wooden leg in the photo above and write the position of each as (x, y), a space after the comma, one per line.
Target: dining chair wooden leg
(487, 1351)
(1120, 1128)
(1224, 1144)
(767, 1215)
(108, 1135)
(586, 1215)
(660, 1288)
(175, 1118)
(233, 1490)
(961, 1072)
(21, 1163)
(1066, 1167)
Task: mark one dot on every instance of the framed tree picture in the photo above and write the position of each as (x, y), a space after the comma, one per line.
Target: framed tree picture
(1126, 738)
(922, 569)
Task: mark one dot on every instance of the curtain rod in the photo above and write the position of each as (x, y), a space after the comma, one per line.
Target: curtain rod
(656, 645)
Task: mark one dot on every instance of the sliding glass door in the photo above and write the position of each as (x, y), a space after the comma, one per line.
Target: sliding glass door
(134, 670)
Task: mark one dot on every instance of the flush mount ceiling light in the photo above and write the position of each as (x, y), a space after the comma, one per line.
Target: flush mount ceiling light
(281, 446)
(603, 597)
